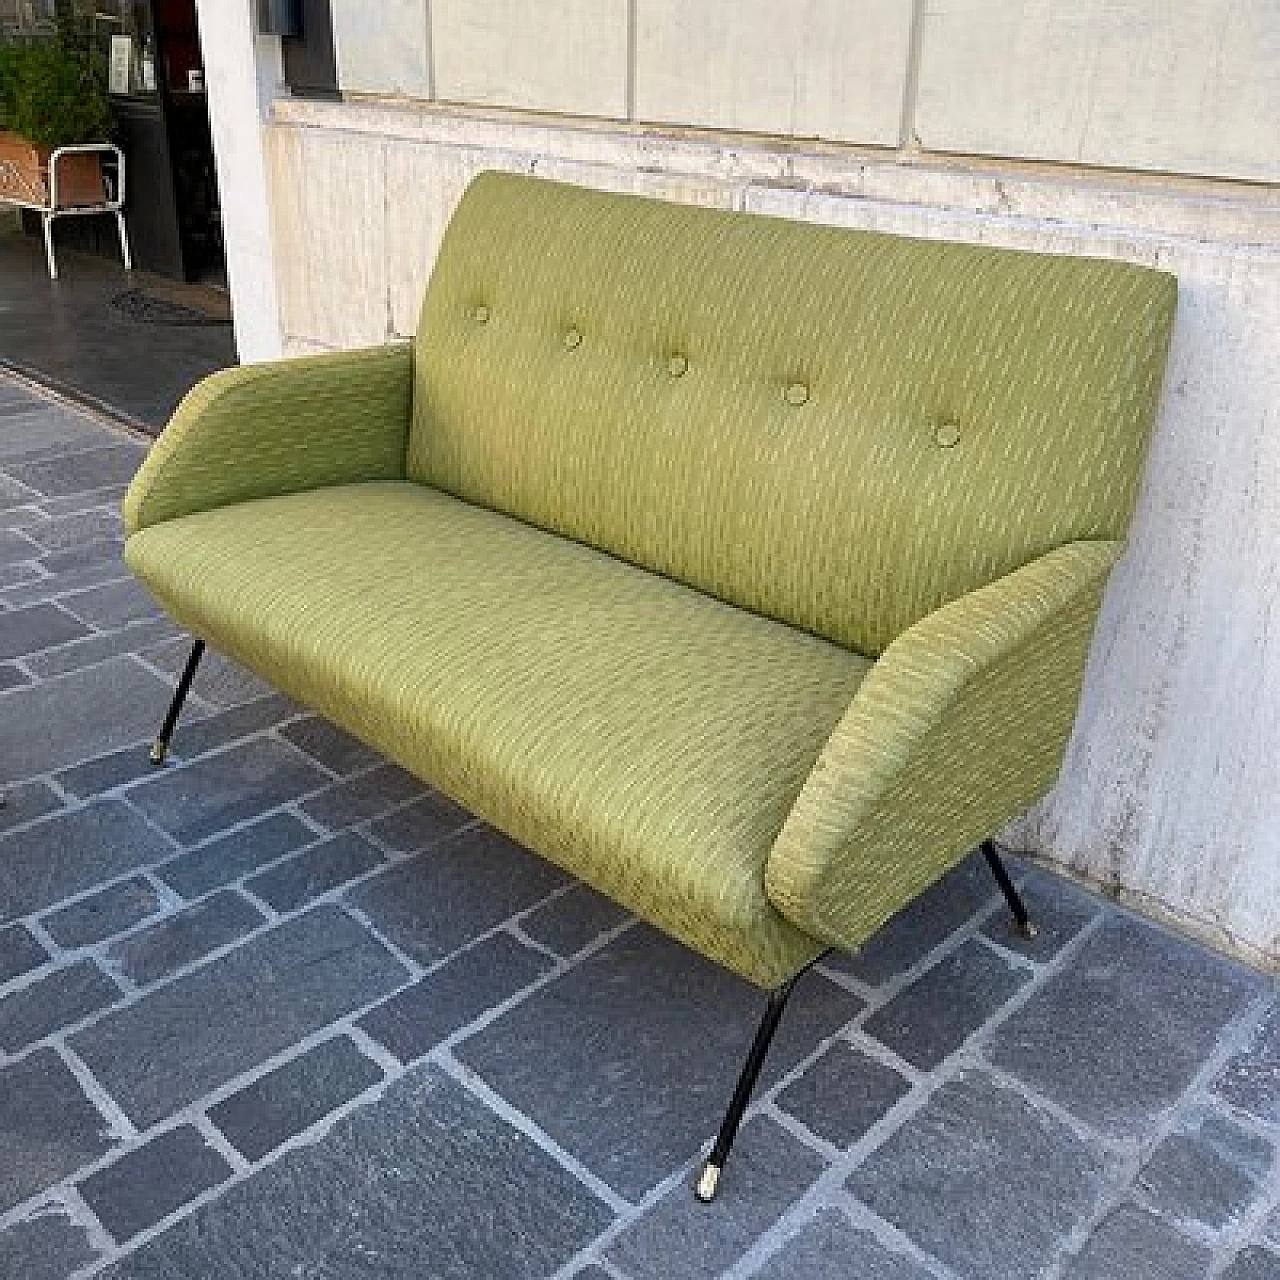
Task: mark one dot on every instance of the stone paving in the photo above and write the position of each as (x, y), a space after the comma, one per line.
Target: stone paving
(277, 1010)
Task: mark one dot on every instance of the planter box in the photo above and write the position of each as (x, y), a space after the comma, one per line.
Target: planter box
(24, 174)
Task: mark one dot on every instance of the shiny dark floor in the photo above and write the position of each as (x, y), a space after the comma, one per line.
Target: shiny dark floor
(67, 334)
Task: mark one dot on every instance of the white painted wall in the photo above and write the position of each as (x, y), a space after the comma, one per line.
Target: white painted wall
(243, 78)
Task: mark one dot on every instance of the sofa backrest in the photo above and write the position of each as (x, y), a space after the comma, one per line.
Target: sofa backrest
(839, 429)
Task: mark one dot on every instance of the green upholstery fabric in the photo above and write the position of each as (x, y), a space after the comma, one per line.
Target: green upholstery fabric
(268, 429)
(959, 726)
(646, 737)
(815, 444)
(617, 369)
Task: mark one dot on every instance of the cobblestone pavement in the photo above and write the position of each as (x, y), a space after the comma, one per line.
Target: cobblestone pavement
(277, 1010)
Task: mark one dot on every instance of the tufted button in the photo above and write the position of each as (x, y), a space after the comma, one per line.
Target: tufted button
(797, 393)
(678, 366)
(572, 339)
(480, 313)
(946, 435)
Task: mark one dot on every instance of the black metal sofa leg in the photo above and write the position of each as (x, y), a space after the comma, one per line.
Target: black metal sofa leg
(709, 1179)
(160, 747)
(1018, 908)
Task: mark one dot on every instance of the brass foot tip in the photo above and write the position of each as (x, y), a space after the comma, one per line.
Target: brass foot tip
(708, 1182)
(159, 749)
(1028, 930)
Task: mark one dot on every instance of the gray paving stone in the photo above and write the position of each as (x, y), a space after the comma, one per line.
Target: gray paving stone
(110, 495)
(14, 547)
(27, 630)
(25, 801)
(103, 773)
(103, 914)
(930, 1019)
(48, 1128)
(187, 1038)
(629, 1059)
(413, 1021)
(293, 1097)
(89, 553)
(64, 584)
(357, 799)
(454, 892)
(151, 954)
(232, 856)
(422, 824)
(199, 799)
(19, 953)
(427, 1175)
(917, 929)
(56, 723)
(11, 677)
(768, 1171)
(1254, 1264)
(94, 648)
(153, 1180)
(113, 604)
(573, 920)
(219, 681)
(43, 429)
(1271, 1231)
(53, 1002)
(1131, 1244)
(843, 1094)
(1251, 1080)
(982, 1180)
(296, 881)
(195, 737)
(47, 1247)
(68, 853)
(1208, 1172)
(69, 531)
(1088, 1040)
(832, 1248)
(334, 748)
(77, 472)
(1059, 909)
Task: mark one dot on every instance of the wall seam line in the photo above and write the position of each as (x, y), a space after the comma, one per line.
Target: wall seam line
(911, 81)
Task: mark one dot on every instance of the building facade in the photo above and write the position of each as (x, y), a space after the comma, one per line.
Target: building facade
(1140, 129)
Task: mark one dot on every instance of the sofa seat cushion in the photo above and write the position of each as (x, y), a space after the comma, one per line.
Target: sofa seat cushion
(648, 738)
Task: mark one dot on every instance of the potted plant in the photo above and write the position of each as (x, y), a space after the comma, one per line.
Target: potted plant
(50, 96)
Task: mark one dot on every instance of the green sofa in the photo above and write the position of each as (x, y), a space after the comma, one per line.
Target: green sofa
(744, 568)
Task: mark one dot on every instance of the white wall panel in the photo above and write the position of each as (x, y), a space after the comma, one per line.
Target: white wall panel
(382, 48)
(556, 55)
(1190, 87)
(813, 68)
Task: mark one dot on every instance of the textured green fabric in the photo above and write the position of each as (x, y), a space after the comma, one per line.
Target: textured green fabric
(268, 429)
(644, 736)
(840, 429)
(958, 727)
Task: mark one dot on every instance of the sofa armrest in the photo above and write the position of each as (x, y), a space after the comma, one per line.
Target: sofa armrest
(958, 727)
(269, 429)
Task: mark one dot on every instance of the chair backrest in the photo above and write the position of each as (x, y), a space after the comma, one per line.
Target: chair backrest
(839, 429)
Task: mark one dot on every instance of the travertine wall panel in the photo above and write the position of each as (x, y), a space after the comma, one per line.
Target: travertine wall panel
(557, 55)
(1184, 87)
(329, 227)
(821, 68)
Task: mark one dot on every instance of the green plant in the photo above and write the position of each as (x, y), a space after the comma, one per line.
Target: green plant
(52, 94)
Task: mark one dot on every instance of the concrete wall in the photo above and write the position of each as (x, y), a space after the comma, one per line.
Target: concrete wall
(1171, 789)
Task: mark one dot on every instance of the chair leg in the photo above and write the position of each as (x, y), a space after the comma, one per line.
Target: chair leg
(160, 747)
(709, 1179)
(1018, 908)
